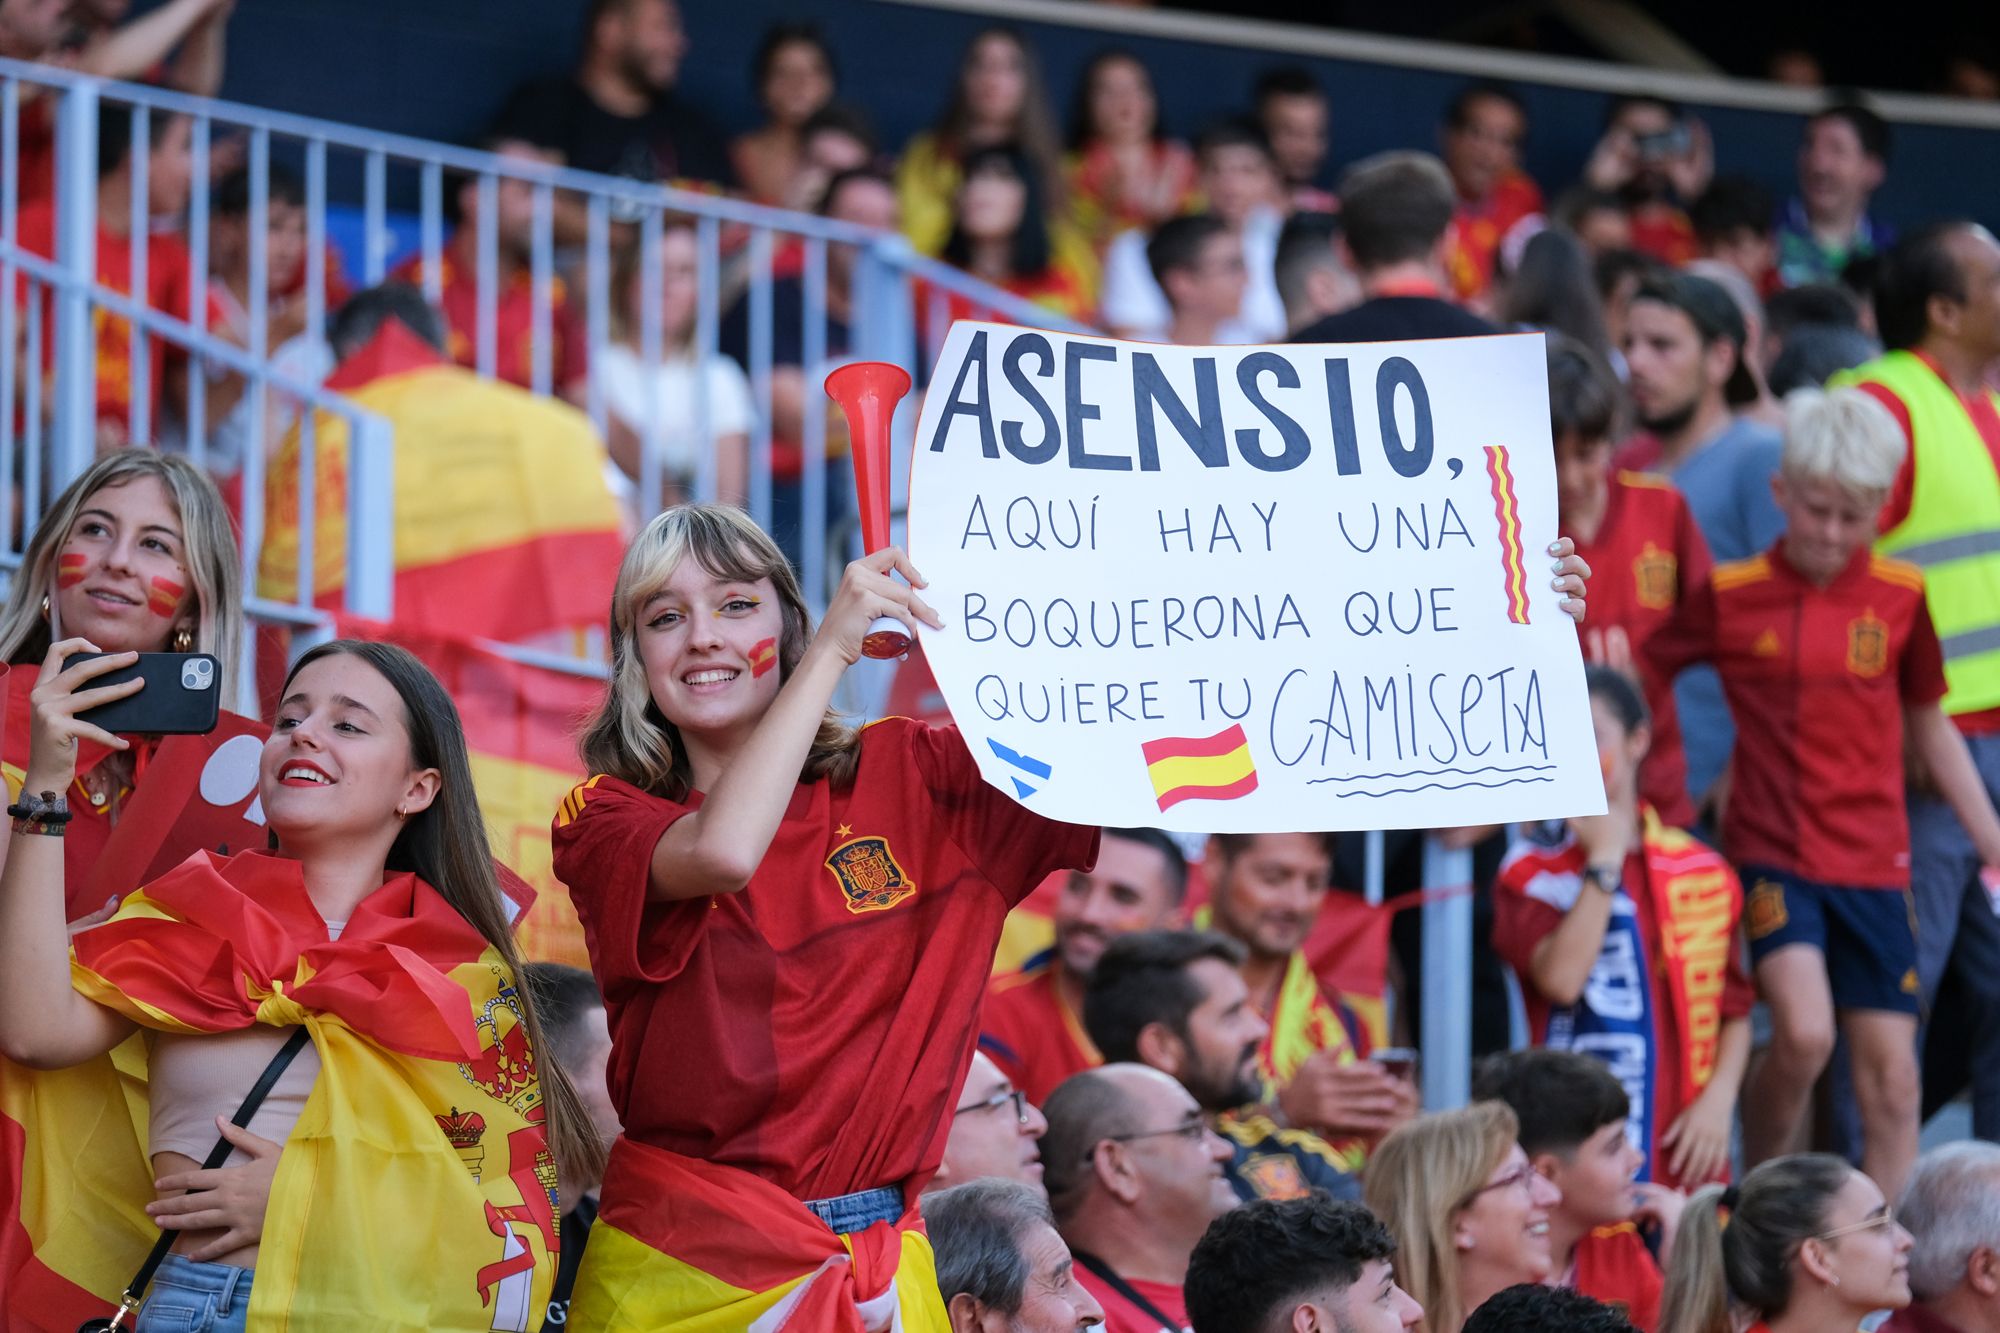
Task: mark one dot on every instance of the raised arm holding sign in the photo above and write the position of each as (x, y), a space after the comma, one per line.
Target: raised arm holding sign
(1253, 589)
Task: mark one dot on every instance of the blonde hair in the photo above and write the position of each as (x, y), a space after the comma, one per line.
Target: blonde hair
(1776, 1209)
(1844, 436)
(208, 550)
(1418, 1181)
(628, 737)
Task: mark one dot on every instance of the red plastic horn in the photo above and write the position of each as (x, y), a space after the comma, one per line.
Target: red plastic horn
(868, 392)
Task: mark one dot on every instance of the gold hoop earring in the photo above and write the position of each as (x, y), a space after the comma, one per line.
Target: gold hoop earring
(183, 641)
(45, 606)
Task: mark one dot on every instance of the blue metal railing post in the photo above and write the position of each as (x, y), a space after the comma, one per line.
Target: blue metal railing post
(888, 332)
(75, 396)
(371, 524)
(1447, 979)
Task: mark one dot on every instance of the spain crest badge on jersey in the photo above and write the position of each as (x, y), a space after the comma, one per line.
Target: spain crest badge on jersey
(868, 874)
(1867, 644)
(1654, 578)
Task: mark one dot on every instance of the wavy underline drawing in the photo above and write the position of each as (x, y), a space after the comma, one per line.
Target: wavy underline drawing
(1441, 772)
(1441, 786)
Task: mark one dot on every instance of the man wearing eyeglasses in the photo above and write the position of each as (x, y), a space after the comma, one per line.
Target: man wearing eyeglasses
(1134, 1175)
(994, 1132)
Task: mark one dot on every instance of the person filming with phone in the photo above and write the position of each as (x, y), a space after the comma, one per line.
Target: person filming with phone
(353, 997)
(136, 555)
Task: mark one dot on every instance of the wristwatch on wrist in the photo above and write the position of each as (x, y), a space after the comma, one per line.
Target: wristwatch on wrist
(1603, 878)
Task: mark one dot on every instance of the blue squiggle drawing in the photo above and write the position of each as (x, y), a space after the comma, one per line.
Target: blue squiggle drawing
(1439, 772)
(1441, 786)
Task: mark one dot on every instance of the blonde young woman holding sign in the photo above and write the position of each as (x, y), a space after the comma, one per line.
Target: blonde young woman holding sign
(791, 922)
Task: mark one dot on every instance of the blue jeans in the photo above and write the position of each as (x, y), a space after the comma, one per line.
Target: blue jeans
(1958, 939)
(191, 1297)
(857, 1212)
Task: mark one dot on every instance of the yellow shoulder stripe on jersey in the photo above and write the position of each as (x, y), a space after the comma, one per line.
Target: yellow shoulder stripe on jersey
(572, 804)
(1739, 572)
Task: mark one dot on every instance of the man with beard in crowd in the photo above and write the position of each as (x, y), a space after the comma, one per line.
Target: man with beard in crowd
(1266, 892)
(1685, 348)
(1174, 1000)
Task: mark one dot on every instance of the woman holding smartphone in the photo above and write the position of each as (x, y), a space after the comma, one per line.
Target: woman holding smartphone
(136, 555)
(400, 1173)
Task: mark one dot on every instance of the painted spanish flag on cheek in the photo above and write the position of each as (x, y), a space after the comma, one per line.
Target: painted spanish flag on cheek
(1200, 768)
(164, 597)
(70, 566)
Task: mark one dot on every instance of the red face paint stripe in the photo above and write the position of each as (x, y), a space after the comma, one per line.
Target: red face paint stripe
(763, 656)
(165, 598)
(70, 568)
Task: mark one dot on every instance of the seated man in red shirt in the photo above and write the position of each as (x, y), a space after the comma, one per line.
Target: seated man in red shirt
(1032, 1025)
(514, 294)
(1135, 1175)
(170, 283)
(1641, 541)
(1832, 650)
(1573, 1113)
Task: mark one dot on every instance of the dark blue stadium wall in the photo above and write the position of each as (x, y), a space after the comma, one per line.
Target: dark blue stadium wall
(440, 68)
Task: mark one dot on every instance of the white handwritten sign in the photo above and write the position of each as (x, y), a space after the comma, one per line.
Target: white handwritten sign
(1251, 589)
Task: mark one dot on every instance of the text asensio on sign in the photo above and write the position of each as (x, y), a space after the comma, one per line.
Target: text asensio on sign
(1200, 587)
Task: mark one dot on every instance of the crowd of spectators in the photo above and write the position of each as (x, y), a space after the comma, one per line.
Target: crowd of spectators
(1776, 441)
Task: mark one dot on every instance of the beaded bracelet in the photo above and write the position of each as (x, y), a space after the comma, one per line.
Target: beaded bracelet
(45, 814)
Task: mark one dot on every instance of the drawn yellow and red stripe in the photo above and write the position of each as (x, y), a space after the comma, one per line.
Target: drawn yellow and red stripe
(70, 567)
(763, 656)
(1200, 768)
(1507, 510)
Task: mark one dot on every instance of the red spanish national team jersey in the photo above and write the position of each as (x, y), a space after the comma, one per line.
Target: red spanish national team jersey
(1613, 1265)
(1029, 1030)
(1477, 231)
(1647, 555)
(1817, 785)
(513, 323)
(814, 1027)
(169, 290)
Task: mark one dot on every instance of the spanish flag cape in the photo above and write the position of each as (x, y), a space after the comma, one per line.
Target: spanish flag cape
(416, 1191)
(504, 526)
(1696, 902)
(695, 1247)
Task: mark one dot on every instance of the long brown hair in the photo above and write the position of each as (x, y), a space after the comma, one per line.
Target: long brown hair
(628, 737)
(445, 845)
(208, 549)
(1419, 1179)
(1034, 131)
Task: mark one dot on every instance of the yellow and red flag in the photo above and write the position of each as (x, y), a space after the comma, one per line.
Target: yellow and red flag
(504, 526)
(700, 1248)
(1507, 509)
(415, 1192)
(1201, 768)
(521, 724)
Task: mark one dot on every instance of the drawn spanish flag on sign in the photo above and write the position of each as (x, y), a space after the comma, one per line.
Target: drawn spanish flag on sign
(1200, 768)
(1508, 511)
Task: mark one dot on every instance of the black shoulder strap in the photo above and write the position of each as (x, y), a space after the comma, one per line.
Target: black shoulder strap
(1118, 1284)
(220, 1154)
